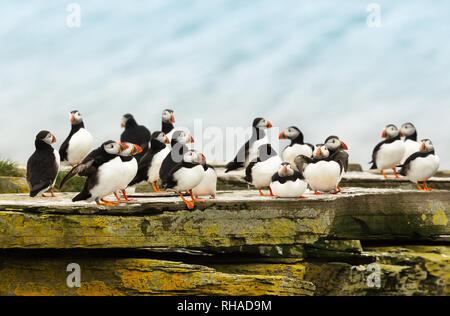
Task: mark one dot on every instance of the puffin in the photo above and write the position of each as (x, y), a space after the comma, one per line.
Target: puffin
(297, 146)
(79, 142)
(129, 169)
(43, 165)
(135, 134)
(260, 171)
(249, 151)
(179, 148)
(185, 176)
(168, 119)
(208, 186)
(411, 144)
(150, 164)
(288, 183)
(334, 144)
(323, 172)
(102, 168)
(389, 153)
(422, 165)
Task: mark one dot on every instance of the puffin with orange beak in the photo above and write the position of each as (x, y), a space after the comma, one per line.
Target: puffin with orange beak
(208, 186)
(249, 151)
(43, 165)
(102, 168)
(150, 164)
(422, 165)
(135, 134)
(297, 146)
(129, 169)
(389, 153)
(168, 121)
(288, 183)
(185, 176)
(79, 142)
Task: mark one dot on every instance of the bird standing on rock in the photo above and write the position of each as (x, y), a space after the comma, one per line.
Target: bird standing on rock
(422, 165)
(150, 164)
(43, 165)
(411, 144)
(135, 134)
(185, 176)
(260, 171)
(79, 142)
(389, 153)
(208, 186)
(249, 151)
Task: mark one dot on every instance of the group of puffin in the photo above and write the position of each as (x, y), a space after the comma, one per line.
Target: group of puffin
(114, 166)
(416, 160)
(300, 164)
(164, 160)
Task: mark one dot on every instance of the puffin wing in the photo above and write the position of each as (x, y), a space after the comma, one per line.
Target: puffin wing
(143, 167)
(302, 161)
(407, 165)
(248, 172)
(169, 181)
(375, 153)
(64, 148)
(239, 160)
(83, 169)
(341, 157)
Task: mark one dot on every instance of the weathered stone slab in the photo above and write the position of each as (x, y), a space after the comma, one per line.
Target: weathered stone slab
(118, 277)
(13, 185)
(235, 219)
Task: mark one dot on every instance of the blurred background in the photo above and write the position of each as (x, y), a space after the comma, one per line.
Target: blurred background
(314, 64)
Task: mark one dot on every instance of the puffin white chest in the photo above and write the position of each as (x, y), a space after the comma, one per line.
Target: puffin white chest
(57, 163)
(208, 185)
(253, 150)
(291, 152)
(323, 176)
(262, 172)
(289, 189)
(158, 158)
(390, 155)
(129, 170)
(423, 168)
(109, 175)
(188, 178)
(80, 145)
(411, 147)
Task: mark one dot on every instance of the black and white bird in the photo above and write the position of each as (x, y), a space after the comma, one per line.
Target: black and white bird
(260, 171)
(102, 170)
(79, 142)
(150, 164)
(389, 153)
(288, 183)
(334, 144)
(179, 142)
(297, 146)
(422, 165)
(322, 172)
(185, 176)
(249, 151)
(129, 169)
(411, 144)
(168, 119)
(43, 165)
(208, 186)
(135, 134)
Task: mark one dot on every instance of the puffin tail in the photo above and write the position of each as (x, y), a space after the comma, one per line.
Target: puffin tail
(374, 165)
(233, 165)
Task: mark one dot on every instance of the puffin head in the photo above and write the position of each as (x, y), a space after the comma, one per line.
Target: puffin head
(182, 137)
(75, 117)
(390, 131)
(114, 148)
(321, 152)
(285, 170)
(160, 137)
(46, 137)
(194, 157)
(125, 119)
(168, 116)
(290, 133)
(334, 143)
(261, 123)
(408, 129)
(130, 149)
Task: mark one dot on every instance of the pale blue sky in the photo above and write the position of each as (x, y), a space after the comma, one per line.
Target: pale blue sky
(314, 64)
